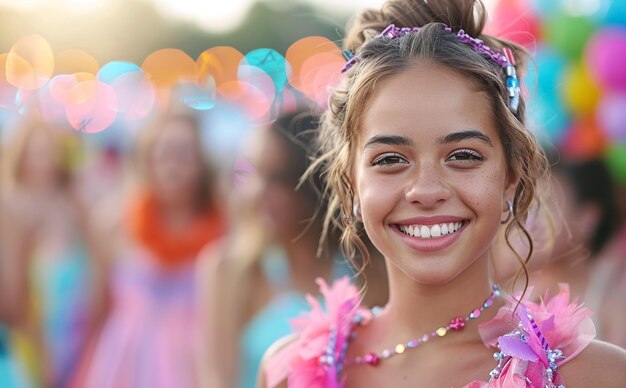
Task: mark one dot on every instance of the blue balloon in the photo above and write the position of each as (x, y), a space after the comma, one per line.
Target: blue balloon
(544, 77)
(109, 72)
(544, 9)
(197, 97)
(271, 62)
(615, 13)
(546, 118)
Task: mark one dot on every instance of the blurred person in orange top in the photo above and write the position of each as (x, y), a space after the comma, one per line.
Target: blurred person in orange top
(147, 339)
(45, 273)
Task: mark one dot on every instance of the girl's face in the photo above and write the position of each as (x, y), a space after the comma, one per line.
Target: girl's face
(284, 211)
(430, 173)
(175, 162)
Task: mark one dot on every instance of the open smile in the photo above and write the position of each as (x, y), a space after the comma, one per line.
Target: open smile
(430, 237)
(431, 231)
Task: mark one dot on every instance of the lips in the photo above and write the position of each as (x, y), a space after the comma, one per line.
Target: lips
(430, 234)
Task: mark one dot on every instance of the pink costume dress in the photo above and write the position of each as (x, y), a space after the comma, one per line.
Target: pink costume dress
(148, 340)
(530, 345)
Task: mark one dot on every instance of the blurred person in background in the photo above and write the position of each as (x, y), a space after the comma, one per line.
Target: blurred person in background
(585, 199)
(256, 280)
(147, 339)
(45, 273)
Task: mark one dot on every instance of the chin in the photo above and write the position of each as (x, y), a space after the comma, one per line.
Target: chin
(430, 277)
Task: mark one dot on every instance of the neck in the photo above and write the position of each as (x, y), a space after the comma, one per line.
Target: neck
(177, 215)
(415, 308)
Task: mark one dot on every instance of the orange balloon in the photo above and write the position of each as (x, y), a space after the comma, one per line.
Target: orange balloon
(303, 49)
(318, 74)
(8, 92)
(167, 67)
(75, 61)
(30, 63)
(584, 140)
(218, 65)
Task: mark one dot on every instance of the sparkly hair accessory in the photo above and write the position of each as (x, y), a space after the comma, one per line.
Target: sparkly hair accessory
(390, 32)
(503, 58)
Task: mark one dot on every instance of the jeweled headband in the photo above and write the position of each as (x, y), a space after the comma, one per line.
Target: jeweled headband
(503, 58)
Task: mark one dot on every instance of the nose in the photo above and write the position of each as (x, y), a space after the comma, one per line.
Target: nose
(427, 186)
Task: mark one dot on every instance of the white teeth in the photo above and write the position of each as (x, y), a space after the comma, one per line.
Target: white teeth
(433, 231)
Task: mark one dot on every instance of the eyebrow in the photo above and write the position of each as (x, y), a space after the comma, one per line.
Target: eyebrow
(464, 135)
(449, 138)
(388, 140)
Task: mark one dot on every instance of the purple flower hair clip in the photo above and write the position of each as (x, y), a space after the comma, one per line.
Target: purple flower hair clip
(503, 58)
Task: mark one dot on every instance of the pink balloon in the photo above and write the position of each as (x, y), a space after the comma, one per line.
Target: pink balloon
(96, 111)
(606, 57)
(612, 116)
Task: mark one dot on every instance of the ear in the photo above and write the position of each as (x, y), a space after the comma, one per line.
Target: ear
(511, 185)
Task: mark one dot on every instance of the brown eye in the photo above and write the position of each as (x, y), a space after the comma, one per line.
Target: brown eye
(465, 155)
(388, 160)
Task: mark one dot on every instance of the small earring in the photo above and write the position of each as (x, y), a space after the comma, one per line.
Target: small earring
(509, 212)
(356, 213)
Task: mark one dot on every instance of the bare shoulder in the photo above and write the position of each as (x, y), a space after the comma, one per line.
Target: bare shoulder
(269, 356)
(600, 365)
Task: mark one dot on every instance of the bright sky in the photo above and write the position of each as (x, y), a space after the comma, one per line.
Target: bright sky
(219, 15)
(213, 15)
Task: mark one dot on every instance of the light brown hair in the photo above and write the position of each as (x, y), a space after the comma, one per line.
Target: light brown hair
(382, 57)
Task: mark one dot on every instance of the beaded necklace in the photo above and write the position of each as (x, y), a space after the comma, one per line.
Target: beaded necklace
(456, 324)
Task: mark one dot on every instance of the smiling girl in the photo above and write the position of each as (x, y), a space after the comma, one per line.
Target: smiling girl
(425, 149)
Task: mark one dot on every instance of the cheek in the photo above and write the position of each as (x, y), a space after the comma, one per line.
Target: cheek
(377, 196)
(484, 195)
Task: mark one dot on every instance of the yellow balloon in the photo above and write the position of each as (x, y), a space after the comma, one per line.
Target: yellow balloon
(580, 92)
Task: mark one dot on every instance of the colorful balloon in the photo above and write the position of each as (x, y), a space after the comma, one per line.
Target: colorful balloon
(109, 72)
(546, 118)
(272, 63)
(580, 91)
(92, 106)
(218, 65)
(606, 57)
(615, 158)
(612, 116)
(30, 63)
(511, 20)
(584, 140)
(568, 34)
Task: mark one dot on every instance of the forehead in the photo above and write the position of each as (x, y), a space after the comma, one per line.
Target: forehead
(427, 101)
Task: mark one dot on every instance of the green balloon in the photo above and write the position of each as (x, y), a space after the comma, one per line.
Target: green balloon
(569, 34)
(615, 158)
